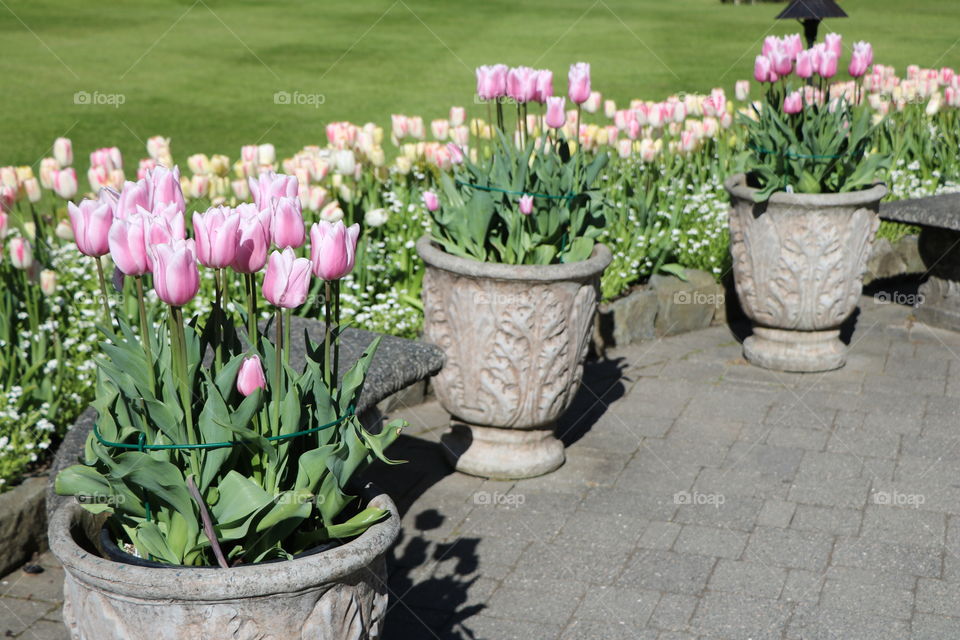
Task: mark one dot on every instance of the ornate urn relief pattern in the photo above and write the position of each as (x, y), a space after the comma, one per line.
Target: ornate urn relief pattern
(514, 350)
(800, 268)
(798, 262)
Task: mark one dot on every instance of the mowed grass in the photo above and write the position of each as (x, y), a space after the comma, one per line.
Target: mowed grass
(205, 72)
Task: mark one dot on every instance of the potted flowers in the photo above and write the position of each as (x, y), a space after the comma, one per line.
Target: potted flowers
(222, 475)
(805, 213)
(510, 288)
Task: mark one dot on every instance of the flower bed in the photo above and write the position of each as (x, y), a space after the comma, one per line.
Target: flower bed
(662, 189)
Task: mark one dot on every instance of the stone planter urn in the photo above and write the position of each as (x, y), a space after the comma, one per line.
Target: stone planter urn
(515, 337)
(338, 594)
(798, 265)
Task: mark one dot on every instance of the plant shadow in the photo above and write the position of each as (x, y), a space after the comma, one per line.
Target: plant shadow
(430, 571)
(602, 384)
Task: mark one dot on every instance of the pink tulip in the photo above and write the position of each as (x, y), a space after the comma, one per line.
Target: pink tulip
(793, 103)
(128, 247)
(858, 64)
(763, 69)
(522, 84)
(65, 183)
(165, 188)
(4, 222)
(176, 278)
(252, 243)
(250, 377)
(269, 186)
(828, 64)
(805, 64)
(145, 167)
(174, 219)
(526, 204)
(287, 280)
(63, 151)
(458, 115)
(286, 226)
(216, 232)
(91, 222)
(742, 90)
(456, 153)
(865, 51)
(431, 201)
(440, 129)
(793, 44)
(579, 82)
(782, 63)
(491, 82)
(134, 195)
(332, 249)
(770, 43)
(556, 112)
(31, 186)
(544, 85)
(21, 253)
(834, 43)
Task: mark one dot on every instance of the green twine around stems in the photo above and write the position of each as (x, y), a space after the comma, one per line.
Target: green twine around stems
(140, 446)
(513, 193)
(801, 156)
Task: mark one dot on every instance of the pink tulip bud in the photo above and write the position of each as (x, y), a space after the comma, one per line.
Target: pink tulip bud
(544, 85)
(858, 64)
(287, 280)
(21, 253)
(91, 222)
(65, 183)
(332, 249)
(793, 44)
(782, 63)
(579, 82)
(415, 129)
(31, 186)
(133, 196)
(146, 165)
(440, 129)
(269, 186)
(216, 232)
(431, 201)
(763, 69)
(770, 43)
(793, 103)
(165, 188)
(458, 115)
(63, 151)
(556, 112)
(742, 90)
(592, 105)
(250, 377)
(48, 282)
(805, 64)
(828, 64)
(609, 108)
(176, 278)
(456, 153)
(286, 227)
(252, 240)
(526, 204)
(865, 51)
(522, 84)
(128, 246)
(834, 43)
(4, 222)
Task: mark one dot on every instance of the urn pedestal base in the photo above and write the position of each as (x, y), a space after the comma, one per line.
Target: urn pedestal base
(502, 454)
(798, 351)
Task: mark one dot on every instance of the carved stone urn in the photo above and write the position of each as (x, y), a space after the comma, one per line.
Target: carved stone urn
(515, 337)
(798, 265)
(338, 594)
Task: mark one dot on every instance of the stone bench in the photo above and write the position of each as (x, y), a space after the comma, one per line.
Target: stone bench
(397, 364)
(939, 245)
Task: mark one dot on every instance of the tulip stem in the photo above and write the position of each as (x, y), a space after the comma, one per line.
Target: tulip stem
(253, 333)
(286, 337)
(144, 334)
(327, 289)
(179, 343)
(277, 375)
(336, 342)
(103, 291)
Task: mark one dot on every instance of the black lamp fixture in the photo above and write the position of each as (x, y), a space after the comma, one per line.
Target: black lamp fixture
(810, 13)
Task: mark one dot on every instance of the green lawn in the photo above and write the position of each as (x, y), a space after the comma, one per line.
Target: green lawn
(205, 72)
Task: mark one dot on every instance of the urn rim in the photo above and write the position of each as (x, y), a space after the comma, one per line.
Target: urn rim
(736, 185)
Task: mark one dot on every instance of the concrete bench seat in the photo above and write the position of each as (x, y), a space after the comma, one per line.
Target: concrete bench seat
(939, 245)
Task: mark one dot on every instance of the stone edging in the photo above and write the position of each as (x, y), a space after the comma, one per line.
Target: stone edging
(23, 523)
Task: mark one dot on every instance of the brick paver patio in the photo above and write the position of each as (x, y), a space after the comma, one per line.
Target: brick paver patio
(702, 498)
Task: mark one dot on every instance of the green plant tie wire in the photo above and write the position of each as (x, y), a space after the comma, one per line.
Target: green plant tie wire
(801, 156)
(514, 193)
(140, 446)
